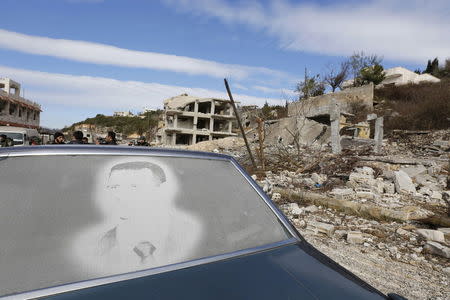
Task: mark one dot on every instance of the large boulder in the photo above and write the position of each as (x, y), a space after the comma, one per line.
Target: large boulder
(414, 171)
(403, 183)
(431, 235)
(437, 249)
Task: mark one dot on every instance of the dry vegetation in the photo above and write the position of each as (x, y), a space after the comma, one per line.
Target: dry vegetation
(416, 107)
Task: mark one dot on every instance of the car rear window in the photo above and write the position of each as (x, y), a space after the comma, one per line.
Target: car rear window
(71, 218)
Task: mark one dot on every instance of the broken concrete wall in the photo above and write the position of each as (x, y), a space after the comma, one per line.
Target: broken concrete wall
(285, 129)
(318, 106)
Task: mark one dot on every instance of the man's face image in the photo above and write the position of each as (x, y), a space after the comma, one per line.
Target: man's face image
(60, 139)
(134, 189)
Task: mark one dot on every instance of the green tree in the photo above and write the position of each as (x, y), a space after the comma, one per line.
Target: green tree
(359, 61)
(310, 87)
(373, 74)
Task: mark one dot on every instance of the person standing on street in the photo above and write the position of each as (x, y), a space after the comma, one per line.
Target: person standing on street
(77, 138)
(110, 138)
(59, 139)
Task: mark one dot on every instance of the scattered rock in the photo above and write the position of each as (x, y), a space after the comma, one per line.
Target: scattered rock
(276, 197)
(403, 183)
(436, 249)
(311, 208)
(297, 211)
(342, 194)
(403, 232)
(355, 237)
(414, 171)
(302, 224)
(431, 235)
(446, 232)
(319, 227)
(436, 195)
(340, 233)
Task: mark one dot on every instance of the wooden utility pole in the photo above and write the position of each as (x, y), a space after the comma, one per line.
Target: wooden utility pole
(261, 137)
(240, 124)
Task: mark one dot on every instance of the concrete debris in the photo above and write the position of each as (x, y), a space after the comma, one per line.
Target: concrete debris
(414, 171)
(321, 228)
(276, 197)
(403, 183)
(311, 208)
(446, 232)
(225, 144)
(431, 235)
(355, 237)
(403, 232)
(437, 249)
(356, 207)
(342, 194)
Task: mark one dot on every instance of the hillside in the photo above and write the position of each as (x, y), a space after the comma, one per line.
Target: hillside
(124, 125)
(416, 106)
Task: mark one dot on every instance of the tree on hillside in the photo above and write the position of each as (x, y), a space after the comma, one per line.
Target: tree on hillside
(373, 74)
(334, 78)
(358, 61)
(310, 87)
(433, 67)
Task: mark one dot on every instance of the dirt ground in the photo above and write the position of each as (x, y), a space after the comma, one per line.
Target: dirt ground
(413, 280)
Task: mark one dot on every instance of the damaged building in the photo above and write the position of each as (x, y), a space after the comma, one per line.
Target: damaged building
(310, 120)
(15, 110)
(188, 120)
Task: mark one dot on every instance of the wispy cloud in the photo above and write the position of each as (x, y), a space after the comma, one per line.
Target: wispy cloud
(99, 93)
(403, 30)
(102, 54)
(268, 90)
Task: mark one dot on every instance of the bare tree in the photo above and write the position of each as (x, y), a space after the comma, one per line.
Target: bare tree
(359, 61)
(335, 77)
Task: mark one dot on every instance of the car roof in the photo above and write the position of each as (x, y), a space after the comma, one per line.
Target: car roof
(79, 149)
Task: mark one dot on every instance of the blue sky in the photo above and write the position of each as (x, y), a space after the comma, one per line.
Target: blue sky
(78, 58)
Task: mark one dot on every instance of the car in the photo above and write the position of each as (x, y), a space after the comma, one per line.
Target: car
(20, 136)
(112, 222)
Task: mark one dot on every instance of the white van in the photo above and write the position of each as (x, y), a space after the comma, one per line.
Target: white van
(20, 136)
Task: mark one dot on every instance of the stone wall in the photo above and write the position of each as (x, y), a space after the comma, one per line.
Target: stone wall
(319, 106)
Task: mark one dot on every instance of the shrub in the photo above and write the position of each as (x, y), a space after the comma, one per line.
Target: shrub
(416, 106)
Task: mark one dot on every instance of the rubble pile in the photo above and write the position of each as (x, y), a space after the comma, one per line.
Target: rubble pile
(408, 180)
(384, 217)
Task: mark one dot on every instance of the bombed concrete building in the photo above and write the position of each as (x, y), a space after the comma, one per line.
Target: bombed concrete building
(14, 109)
(188, 120)
(310, 120)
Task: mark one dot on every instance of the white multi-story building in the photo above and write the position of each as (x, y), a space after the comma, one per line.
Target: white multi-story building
(189, 120)
(16, 110)
(123, 114)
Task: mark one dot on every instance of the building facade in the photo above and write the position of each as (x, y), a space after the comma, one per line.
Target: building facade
(16, 110)
(188, 120)
(401, 76)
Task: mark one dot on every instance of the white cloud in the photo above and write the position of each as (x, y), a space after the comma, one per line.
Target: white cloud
(403, 30)
(102, 54)
(99, 93)
(268, 90)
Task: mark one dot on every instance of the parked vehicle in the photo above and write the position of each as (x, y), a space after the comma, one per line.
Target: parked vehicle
(134, 222)
(21, 136)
